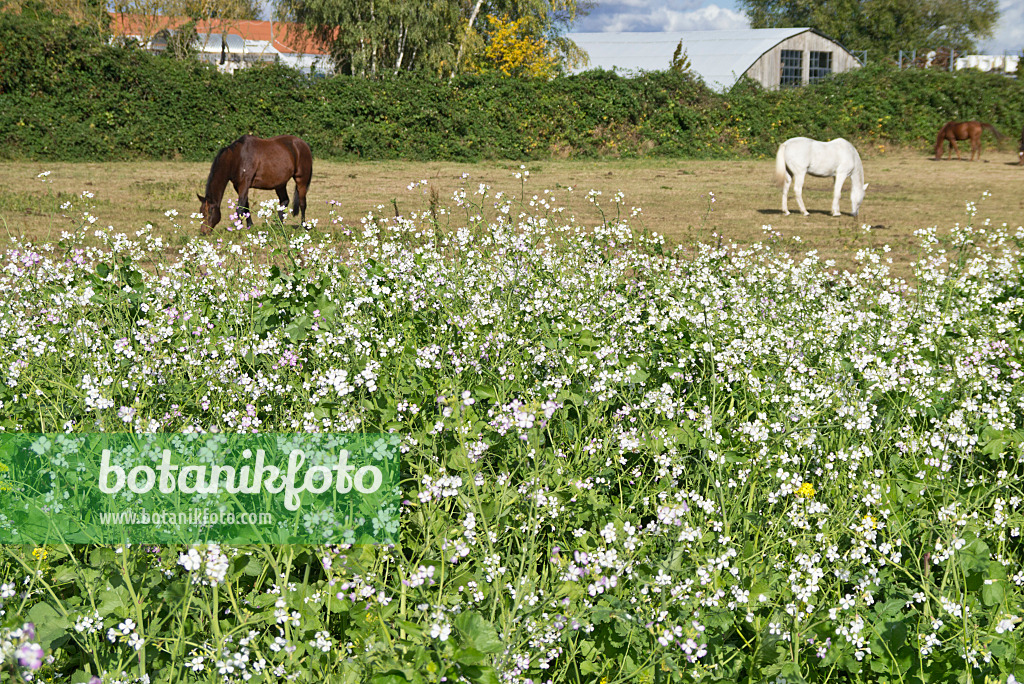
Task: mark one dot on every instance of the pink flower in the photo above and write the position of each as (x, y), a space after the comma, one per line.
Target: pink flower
(30, 655)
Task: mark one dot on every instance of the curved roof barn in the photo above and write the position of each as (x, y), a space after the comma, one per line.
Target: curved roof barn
(775, 58)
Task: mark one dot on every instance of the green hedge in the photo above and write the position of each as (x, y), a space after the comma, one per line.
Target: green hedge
(66, 95)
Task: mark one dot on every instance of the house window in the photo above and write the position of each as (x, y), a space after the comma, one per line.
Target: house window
(820, 66)
(792, 68)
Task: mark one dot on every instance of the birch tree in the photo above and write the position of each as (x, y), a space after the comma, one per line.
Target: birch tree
(377, 37)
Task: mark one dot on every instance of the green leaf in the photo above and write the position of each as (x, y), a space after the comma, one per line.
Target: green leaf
(478, 633)
(995, 448)
(50, 626)
(469, 656)
(390, 677)
(975, 555)
(992, 592)
(299, 328)
(485, 392)
(409, 627)
(115, 601)
(481, 675)
(890, 608)
(458, 459)
(102, 556)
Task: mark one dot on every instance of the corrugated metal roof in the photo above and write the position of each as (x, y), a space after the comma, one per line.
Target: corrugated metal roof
(284, 37)
(211, 42)
(720, 57)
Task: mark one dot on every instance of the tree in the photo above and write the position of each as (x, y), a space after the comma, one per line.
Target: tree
(38, 40)
(375, 37)
(87, 13)
(883, 27)
(546, 20)
(512, 49)
(680, 61)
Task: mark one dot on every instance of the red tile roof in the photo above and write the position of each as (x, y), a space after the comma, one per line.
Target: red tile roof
(284, 37)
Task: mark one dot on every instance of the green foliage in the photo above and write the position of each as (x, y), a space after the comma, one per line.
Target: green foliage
(375, 38)
(379, 37)
(604, 478)
(69, 96)
(680, 61)
(883, 27)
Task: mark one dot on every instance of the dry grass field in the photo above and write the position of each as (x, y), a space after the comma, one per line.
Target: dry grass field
(908, 191)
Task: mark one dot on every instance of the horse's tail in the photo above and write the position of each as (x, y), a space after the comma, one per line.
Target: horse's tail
(858, 167)
(780, 165)
(999, 136)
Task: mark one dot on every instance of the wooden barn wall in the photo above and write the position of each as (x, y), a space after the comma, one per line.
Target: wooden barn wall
(767, 69)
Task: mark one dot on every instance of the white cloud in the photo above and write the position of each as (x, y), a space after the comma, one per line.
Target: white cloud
(695, 15)
(1009, 33)
(645, 15)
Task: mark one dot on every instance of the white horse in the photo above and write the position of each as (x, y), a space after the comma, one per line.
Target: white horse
(799, 156)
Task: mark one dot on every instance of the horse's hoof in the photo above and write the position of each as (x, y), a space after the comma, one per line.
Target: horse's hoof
(785, 213)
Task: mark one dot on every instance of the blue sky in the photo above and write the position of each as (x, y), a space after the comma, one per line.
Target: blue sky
(695, 15)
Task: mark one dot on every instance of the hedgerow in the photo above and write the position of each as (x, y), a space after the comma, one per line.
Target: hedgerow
(67, 95)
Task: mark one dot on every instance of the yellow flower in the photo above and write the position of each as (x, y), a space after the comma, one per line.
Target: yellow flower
(40, 553)
(805, 491)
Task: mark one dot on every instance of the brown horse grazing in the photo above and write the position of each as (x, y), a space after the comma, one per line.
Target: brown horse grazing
(962, 130)
(264, 164)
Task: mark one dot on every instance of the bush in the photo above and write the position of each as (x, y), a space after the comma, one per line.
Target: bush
(67, 95)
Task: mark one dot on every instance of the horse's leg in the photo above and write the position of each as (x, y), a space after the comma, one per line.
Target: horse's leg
(303, 174)
(976, 145)
(953, 148)
(282, 200)
(798, 189)
(243, 202)
(301, 186)
(840, 179)
(785, 194)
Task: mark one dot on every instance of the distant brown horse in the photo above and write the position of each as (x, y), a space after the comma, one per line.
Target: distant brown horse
(264, 164)
(1020, 147)
(962, 130)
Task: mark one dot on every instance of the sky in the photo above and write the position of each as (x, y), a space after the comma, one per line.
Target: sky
(696, 15)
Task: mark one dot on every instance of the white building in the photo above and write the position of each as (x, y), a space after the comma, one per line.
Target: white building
(773, 57)
(1004, 63)
(244, 43)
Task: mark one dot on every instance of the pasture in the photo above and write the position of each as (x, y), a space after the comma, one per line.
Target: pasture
(621, 462)
(907, 191)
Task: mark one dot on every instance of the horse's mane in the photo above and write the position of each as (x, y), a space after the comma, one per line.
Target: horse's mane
(216, 161)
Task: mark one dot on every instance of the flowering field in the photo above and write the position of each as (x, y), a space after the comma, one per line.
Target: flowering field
(621, 462)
